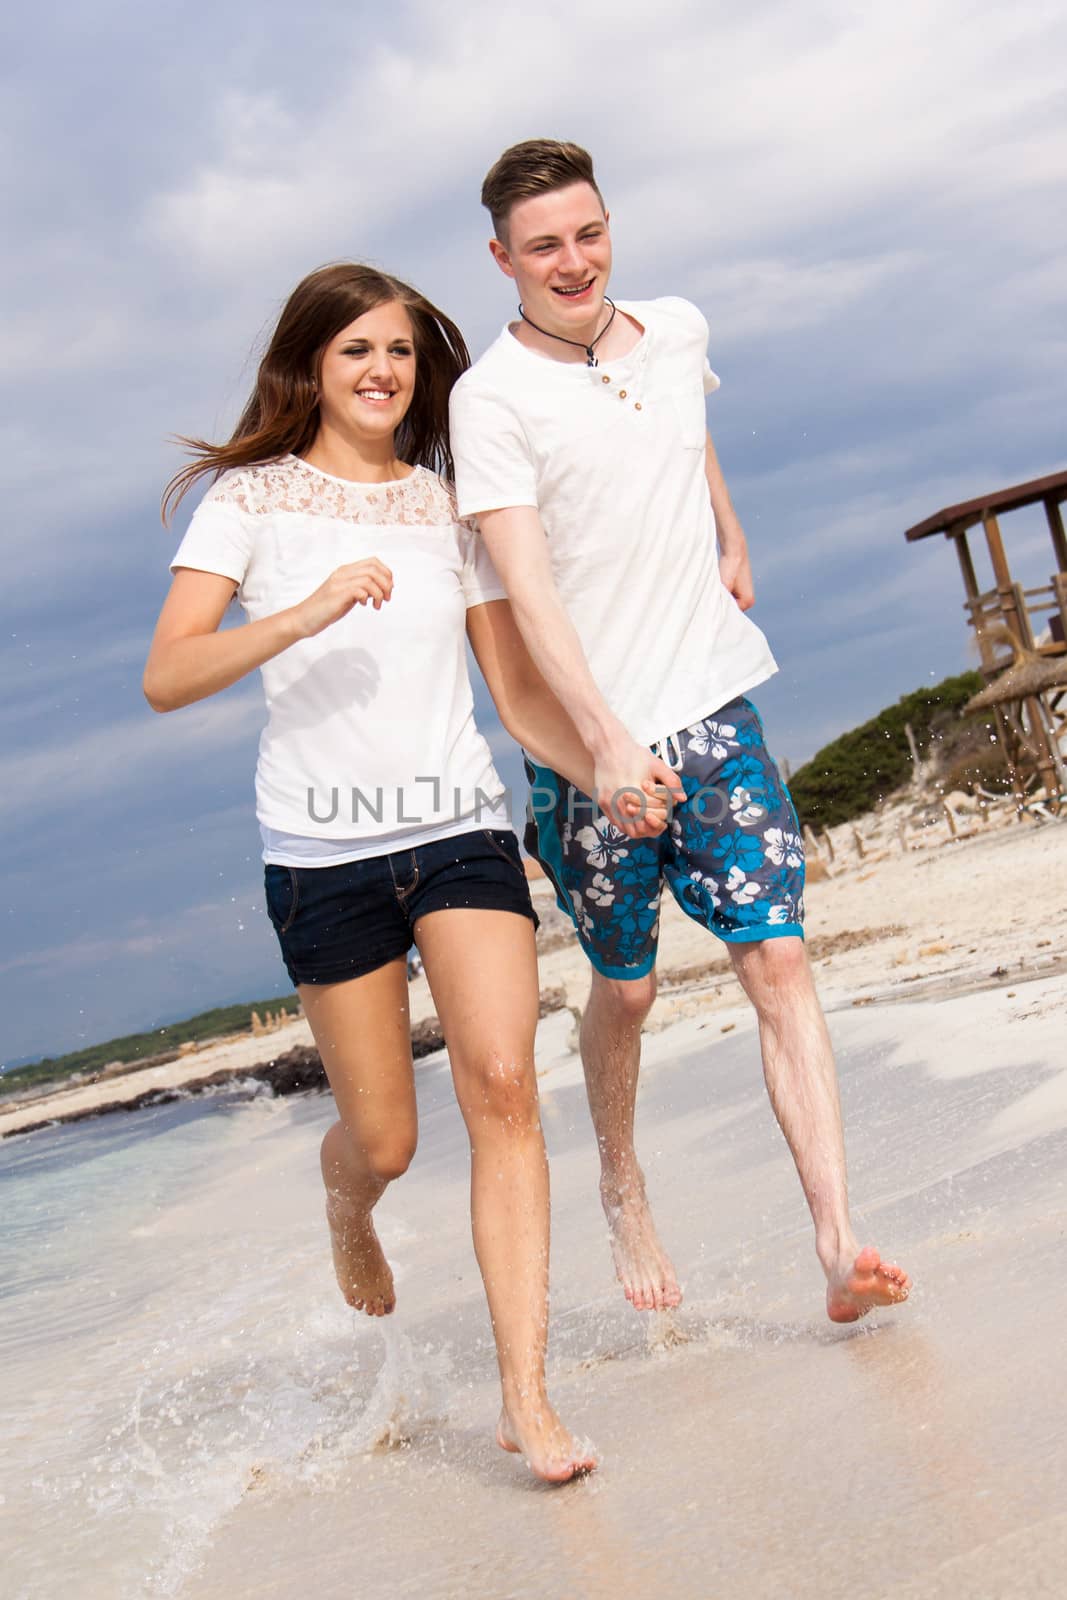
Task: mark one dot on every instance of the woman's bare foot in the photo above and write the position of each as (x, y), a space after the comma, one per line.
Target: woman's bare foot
(642, 1265)
(531, 1428)
(362, 1270)
(861, 1284)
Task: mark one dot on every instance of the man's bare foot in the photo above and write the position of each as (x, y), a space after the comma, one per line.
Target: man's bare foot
(642, 1265)
(362, 1270)
(533, 1429)
(860, 1285)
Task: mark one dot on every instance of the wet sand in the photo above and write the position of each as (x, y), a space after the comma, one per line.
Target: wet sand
(193, 1411)
(748, 1446)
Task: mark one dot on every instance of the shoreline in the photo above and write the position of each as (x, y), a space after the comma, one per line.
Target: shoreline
(889, 920)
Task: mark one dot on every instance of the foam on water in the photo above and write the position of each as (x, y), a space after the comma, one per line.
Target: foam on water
(203, 1355)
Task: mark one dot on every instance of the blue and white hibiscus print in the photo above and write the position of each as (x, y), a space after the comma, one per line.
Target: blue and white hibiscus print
(732, 854)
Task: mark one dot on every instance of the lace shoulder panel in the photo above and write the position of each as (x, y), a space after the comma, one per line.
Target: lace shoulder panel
(235, 488)
(291, 485)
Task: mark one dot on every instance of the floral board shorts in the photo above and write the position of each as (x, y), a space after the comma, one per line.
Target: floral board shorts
(732, 853)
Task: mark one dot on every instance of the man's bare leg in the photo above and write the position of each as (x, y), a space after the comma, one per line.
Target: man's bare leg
(362, 1033)
(482, 971)
(611, 1056)
(798, 1066)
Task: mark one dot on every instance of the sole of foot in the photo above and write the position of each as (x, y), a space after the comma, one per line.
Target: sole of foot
(559, 1459)
(868, 1283)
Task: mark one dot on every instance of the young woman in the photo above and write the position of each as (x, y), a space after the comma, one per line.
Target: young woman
(329, 520)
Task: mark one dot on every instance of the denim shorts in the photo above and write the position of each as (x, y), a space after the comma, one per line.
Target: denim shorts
(733, 855)
(341, 922)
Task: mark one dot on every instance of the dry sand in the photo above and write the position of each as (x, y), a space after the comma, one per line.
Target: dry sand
(940, 917)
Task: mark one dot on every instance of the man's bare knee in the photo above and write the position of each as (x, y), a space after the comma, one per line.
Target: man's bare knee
(627, 999)
(772, 965)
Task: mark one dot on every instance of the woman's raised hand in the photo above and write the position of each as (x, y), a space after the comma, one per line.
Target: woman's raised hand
(348, 586)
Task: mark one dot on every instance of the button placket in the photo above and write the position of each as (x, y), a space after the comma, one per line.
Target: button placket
(627, 394)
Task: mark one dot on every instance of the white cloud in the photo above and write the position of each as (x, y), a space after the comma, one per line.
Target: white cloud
(863, 200)
(126, 754)
(862, 141)
(153, 940)
(755, 297)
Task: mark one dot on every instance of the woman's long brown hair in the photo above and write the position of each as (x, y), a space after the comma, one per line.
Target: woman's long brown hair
(282, 415)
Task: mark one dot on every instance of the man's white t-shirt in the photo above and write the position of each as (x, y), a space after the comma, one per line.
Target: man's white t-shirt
(612, 457)
(370, 743)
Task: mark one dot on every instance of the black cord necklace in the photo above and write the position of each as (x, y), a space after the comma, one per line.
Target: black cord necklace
(590, 349)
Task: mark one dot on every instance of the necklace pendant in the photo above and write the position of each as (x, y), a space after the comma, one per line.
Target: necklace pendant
(590, 357)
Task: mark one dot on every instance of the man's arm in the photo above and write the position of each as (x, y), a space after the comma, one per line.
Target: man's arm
(526, 705)
(734, 568)
(516, 542)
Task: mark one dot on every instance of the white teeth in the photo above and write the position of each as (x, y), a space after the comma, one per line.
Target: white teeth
(574, 289)
(374, 394)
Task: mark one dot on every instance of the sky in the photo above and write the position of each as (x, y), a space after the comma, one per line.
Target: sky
(866, 203)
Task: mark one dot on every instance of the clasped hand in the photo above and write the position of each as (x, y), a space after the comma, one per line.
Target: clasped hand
(348, 586)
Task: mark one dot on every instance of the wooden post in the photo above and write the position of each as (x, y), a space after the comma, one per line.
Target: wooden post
(860, 851)
(1012, 604)
(1020, 618)
(1054, 514)
(1007, 741)
(828, 842)
(1039, 743)
(1059, 586)
(996, 551)
(963, 551)
(914, 748)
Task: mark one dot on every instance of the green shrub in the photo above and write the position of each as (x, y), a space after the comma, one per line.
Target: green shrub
(143, 1046)
(851, 775)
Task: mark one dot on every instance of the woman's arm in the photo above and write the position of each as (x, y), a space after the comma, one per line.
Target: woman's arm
(527, 707)
(189, 659)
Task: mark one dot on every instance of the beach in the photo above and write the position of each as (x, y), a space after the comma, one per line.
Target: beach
(193, 1410)
(923, 912)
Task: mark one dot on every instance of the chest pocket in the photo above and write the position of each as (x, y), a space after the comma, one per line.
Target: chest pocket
(688, 405)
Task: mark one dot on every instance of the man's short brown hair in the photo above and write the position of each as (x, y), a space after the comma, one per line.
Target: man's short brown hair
(537, 166)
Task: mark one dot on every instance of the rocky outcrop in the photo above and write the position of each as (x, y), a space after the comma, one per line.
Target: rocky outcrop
(296, 1071)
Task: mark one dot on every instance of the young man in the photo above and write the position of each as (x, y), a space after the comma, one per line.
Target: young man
(581, 445)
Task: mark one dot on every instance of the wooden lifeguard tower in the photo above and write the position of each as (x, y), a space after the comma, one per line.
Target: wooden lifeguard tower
(1026, 681)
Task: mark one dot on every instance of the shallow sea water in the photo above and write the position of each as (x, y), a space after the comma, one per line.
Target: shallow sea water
(191, 1410)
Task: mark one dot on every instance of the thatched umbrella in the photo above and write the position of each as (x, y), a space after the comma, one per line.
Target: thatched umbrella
(1030, 673)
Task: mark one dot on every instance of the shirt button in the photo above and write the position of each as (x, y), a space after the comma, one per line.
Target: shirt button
(637, 405)
(605, 379)
(622, 394)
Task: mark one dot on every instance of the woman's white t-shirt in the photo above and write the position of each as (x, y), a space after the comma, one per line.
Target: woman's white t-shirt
(370, 743)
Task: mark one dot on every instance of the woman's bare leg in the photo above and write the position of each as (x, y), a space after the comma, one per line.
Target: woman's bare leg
(482, 971)
(363, 1035)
